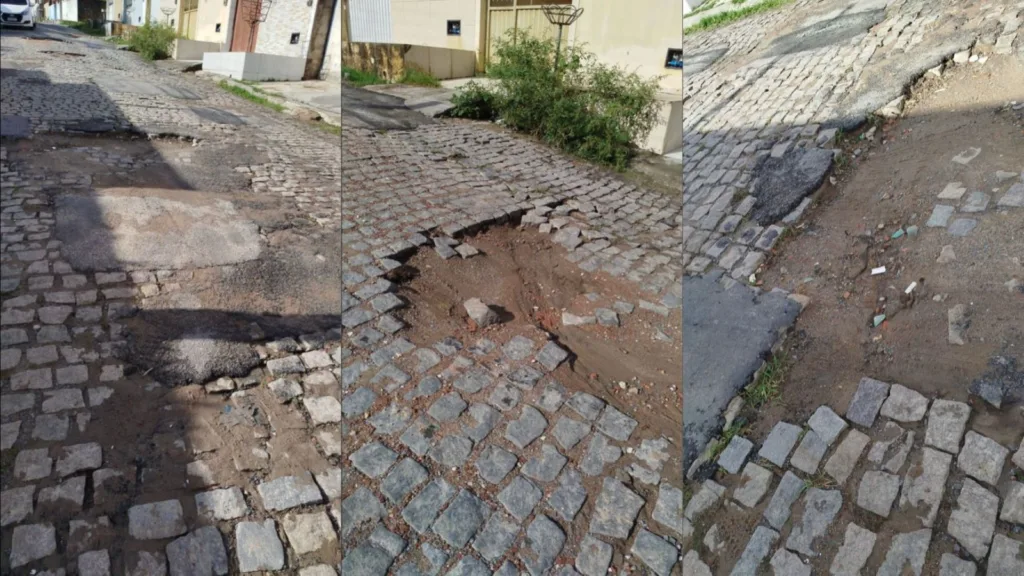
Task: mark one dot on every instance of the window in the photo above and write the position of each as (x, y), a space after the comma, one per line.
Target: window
(455, 27)
(217, 28)
(172, 21)
(674, 58)
(295, 38)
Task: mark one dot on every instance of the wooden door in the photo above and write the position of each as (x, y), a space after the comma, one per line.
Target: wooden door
(246, 26)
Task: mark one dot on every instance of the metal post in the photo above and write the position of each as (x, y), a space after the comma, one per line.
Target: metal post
(558, 49)
(561, 15)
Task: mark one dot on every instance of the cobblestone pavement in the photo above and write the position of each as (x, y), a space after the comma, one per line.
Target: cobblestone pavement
(458, 457)
(774, 88)
(903, 484)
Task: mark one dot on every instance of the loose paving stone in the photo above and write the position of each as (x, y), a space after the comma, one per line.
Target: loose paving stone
(329, 482)
(756, 551)
(962, 227)
(706, 497)
(222, 504)
(258, 547)
(1013, 504)
(895, 443)
(423, 509)
(947, 421)
(615, 510)
(1006, 558)
(520, 497)
(448, 346)
(692, 565)
(753, 485)
(494, 464)
(820, 509)
(12, 357)
(200, 552)
(779, 443)
(545, 466)
(855, 551)
(904, 405)
(567, 499)
(544, 542)
(827, 424)
(426, 359)
(950, 565)
(451, 451)
(924, 485)
(658, 554)
(586, 405)
(569, 432)
(405, 477)
(669, 509)
(844, 460)
(809, 453)
(973, 521)
(15, 504)
(391, 420)
(484, 420)
(156, 521)
(473, 381)
(606, 317)
(952, 191)
(735, 454)
(31, 542)
(940, 216)
(309, 533)
(781, 504)
(287, 365)
(70, 493)
(551, 355)
(877, 492)
(595, 556)
(982, 458)
(527, 428)
(291, 491)
(867, 401)
(373, 459)
(461, 520)
(360, 509)
(788, 564)
(518, 348)
(285, 389)
(358, 402)
(616, 425)
(976, 202)
(480, 313)
(906, 554)
(495, 537)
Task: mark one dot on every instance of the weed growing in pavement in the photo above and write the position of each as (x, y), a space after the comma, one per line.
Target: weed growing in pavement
(84, 27)
(737, 428)
(709, 22)
(243, 93)
(595, 111)
(768, 384)
(153, 41)
(329, 128)
(417, 77)
(360, 78)
(820, 481)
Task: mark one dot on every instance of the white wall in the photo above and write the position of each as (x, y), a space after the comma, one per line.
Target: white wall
(424, 23)
(332, 59)
(285, 18)
(69, 10)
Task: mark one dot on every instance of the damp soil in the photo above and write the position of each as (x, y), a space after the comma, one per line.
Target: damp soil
(891, 184)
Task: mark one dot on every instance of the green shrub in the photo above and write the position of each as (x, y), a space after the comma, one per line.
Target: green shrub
(475, 102)
(360, 78)
(418, 77)
(586, 108)
(153, 41)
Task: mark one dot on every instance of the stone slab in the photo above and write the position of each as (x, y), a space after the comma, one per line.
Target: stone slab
(844, 460)
(982, 458)
(820, 509)
(867, 401)
(973, 520)
(779, 443)
(851, 557)
(947, 421)
(780, 507)
(924, 485)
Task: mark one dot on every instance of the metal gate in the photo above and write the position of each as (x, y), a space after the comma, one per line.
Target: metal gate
(518, 15)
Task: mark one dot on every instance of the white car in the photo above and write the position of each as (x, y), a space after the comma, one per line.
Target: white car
(17, 13)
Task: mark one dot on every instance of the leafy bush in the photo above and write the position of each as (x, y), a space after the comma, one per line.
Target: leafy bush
(595, 111)
(153, 41)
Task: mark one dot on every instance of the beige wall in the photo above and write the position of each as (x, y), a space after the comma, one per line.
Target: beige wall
(332, 59)
(211, 13)
(634, 34)
(425, 23)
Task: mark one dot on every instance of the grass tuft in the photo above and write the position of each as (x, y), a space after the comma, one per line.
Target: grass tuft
(417, 77)
(718, 20)
(360, 78)
(769, 383)
(256, 98)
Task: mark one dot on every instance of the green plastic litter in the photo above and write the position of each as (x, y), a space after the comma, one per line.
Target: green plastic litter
(897, 233)
(879, 319)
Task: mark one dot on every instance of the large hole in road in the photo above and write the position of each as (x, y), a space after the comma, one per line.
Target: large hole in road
(525, 276)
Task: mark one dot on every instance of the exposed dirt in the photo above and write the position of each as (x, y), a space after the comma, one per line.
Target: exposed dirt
(892, 184)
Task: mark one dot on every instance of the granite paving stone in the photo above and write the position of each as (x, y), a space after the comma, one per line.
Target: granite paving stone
(947, 421)
(551, 355)
(826, 424)
(851, 557)
(360, 509)
(973, 520)
(405, 477)
(809, 453)
(735, 454)
(309, 533)
(384, 539)
(904, 404)
(906, 554)
(290, 491)
(704, 499)
(451, 451)
(258, 546)
(615, 424)
(586, 405)
(373, 459)
(568, 432)
(820, 509)
(779, 443)
(483, 418)
(545, 466)
(753, 485)
(366, 560)
(654, 551)
(544, 542)
(199, 552)
(866, 402)
(1013, 504)
(780, 507)
(925, 484)
(519, 497)
(668, 511)
(757, 549)
(495, 538)
(156, 520)
(527, 428)
(423, 509)
(950, 565)
(843, 461)
(1006, 557)
(877, 492)
(785, 563)
(31, 542)
(615, 510)
(594, 557)
(221, 504)
(982, 458)
(461, 520)
(16, 504)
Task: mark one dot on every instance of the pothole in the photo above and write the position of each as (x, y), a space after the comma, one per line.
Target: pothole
(59, 53)
(527, 279)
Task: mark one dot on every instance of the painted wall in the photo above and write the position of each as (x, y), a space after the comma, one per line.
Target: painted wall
(209, 14)
(115, 11)
(332, 60)
(635, 35)
(285, 18)
(68, 10)
(136, 13)
(425, 23)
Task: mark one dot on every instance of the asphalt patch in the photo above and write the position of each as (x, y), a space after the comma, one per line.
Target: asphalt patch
(832, 32)
(781, 183)
(15, 127)
(93, 126)
(727, 334)
(1002, 384)
(217, 116)
(129, 86)
(701, 61)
